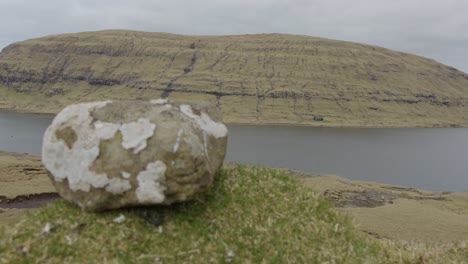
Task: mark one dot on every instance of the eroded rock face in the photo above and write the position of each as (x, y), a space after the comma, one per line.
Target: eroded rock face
(105, 155)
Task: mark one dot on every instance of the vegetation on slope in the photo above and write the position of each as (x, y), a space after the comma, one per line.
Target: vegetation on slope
(265, 78)
(250, 215)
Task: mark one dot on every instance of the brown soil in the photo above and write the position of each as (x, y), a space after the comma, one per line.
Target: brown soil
(22, 174)
(24, 184)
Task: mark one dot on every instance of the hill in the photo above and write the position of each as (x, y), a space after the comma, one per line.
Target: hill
(265, 78)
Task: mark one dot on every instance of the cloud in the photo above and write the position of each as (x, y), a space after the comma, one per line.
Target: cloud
(431, 28)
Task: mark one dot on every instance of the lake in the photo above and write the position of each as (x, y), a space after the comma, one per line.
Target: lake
(426, 158)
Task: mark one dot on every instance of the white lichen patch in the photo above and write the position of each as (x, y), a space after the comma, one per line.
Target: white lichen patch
(118, 186)
(205, 146)
(177, 143)
(213, 128)
(151, 183)
(135, 134)
(125, 174)
(73, 164)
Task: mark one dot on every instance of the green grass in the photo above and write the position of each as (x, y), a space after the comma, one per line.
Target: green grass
(249, 215)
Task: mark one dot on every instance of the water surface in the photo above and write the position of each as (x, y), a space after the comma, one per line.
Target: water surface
(22, 132)
(427, 158)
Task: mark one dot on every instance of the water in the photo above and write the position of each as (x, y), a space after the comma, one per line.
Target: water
(22, 132)
(426, 158)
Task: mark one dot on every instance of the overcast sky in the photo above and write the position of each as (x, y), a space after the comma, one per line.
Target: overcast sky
(437, 29)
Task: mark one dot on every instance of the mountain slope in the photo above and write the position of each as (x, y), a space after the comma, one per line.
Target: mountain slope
(266, 78)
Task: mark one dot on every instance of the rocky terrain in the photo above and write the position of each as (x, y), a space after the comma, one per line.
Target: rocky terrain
(265, 78)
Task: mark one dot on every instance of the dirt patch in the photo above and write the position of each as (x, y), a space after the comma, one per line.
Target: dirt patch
(367, 198)
(22, 174)
(371, 198)
(397, 212)
(28, 201)
(24, 185)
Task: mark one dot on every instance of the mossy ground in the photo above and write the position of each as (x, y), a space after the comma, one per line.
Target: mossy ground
(249, 215)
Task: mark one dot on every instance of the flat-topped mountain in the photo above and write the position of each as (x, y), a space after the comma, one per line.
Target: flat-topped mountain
(265, 78)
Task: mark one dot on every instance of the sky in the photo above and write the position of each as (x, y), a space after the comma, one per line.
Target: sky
(437, 29)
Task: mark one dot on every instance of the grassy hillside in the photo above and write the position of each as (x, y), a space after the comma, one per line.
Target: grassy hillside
(250, 215)
(265, 78)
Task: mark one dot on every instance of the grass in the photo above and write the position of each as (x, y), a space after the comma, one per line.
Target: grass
(249, 215)
(258, 214)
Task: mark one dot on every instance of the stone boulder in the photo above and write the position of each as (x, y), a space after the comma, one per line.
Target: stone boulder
(112, 154)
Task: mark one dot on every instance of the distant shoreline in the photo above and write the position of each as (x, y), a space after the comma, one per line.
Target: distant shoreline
(317, 124)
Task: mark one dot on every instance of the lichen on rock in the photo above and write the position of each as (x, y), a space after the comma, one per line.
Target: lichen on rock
(135, 134)
(151, 183)
(205, 122)
(106, 155)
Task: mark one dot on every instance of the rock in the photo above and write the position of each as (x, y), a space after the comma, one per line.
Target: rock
(318, 118)
(120, 219)
(112, 154)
